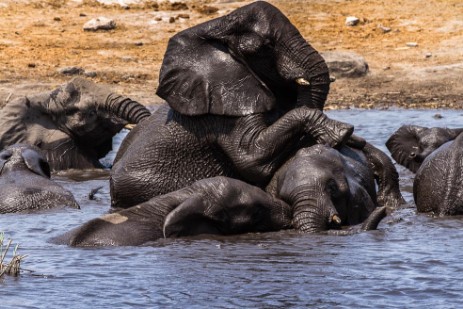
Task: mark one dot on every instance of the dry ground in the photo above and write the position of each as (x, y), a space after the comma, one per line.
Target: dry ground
(37, 38)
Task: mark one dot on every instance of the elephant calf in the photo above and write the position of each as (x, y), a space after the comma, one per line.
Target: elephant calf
(316, 190)
(25, 183)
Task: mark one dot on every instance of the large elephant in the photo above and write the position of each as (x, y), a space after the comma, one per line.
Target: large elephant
(25, 184)
(411, 144)
(73, 124)
(436, 155)
(244, 92)
(318, 189)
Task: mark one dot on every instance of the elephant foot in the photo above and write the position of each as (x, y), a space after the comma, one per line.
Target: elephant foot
(332, 132)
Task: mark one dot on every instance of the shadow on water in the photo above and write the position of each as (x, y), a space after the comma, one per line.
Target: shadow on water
(412, 261)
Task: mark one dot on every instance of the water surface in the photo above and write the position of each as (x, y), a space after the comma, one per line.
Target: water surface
(412, 261)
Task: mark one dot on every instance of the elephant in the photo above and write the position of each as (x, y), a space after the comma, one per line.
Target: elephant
(73, 124)
(411, 144)
(318, 190)
(25, 184)
(437, 187)
(243, 93)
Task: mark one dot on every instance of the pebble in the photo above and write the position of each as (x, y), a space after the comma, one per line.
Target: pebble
(90, 74)
(100, 23)
(384, 29)
(412, 44)
(352, 21)
(428, 55)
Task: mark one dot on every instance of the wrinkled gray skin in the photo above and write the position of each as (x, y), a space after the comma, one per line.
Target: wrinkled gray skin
(73, 125)
(328, 188)
(411, 144)
(218, 205)
(317, 190)
(25, 184)
(437, 187)
(243, 124)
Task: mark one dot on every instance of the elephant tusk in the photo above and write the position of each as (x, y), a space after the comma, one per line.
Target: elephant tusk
(129, 126)
(332, 79)
(336, 219)
(302, 81)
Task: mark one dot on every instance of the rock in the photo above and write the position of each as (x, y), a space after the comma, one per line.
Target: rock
(71, 71)
(31, 65)
(90, 74)
(184, 16)
(428, 55)
(352, 21)
(100, 23)
(206, 9)
(384, 29)
(411, 44)
(345, 64)
(437, 116)
(171, 20)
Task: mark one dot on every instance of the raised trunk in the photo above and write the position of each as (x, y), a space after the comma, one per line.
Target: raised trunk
(125, 108)
(299, 63)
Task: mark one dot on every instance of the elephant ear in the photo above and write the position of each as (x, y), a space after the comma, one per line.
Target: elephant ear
(404, 145)
(200, 74)
(36, 162)
(190, 218)
(239, 64)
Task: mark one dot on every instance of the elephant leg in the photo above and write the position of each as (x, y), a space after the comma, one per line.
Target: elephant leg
(386, 177)
(261, 151)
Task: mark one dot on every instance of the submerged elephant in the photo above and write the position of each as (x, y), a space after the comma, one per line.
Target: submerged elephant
(411, 144)
(25, 184)
(317, 190)
(73, 125)
(244, 93)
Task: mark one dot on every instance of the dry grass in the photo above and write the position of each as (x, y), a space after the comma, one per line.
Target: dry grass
(13, 267)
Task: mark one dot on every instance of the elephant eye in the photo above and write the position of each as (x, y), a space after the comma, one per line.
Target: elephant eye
(332, 188)
(5, 155)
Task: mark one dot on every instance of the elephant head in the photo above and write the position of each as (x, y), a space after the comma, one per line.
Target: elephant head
(25, 183)
(411, 144)
(74, 124)
(252, 60)
(326, 189)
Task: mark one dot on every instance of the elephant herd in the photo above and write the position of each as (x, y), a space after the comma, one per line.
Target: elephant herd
(240, 145)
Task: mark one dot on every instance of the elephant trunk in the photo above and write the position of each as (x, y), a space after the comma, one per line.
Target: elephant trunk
(125, 108)
(313, 213)
(309, 71)
(371, 223)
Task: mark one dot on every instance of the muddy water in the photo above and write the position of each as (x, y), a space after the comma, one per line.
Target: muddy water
(412, 261)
